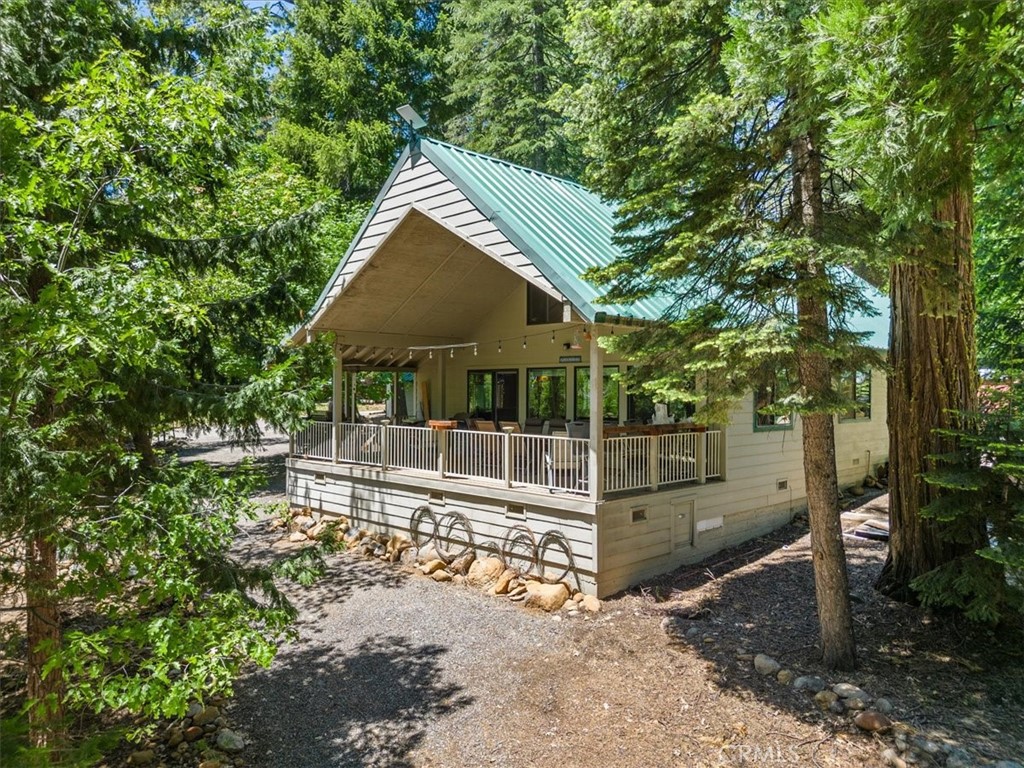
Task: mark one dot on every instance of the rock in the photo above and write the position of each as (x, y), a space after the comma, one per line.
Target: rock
(461, 564)
(483, 572)
(692, 633)
(824, 699)
(194, 709)
(591, 604)
(578, 598)
(458, 578)
(229, 741)
(517, 592)
(744, 657)
(316, 530)
(837, 707)
(380, 551)
(1007, 764)
(855, 704)
(427, 553)
(302, 523)
(884, 706)
(441, 575)
(296, 537)
(959, 758)
(142, 757)
(433, 566)
(928, 746)
(892, 757)
(674, 626)
(193, 732)
(811, 683)
(502, 584)
(547, 597)
(785, 676)
(766, 665)
(174, 736)
(208, 715)
(847, 691)
(408, 556)
(210, 764)
(869, 720)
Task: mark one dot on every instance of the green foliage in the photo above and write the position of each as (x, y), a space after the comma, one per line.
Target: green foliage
(350, 65)
(982, 484)
(691, 112)
(506, 62)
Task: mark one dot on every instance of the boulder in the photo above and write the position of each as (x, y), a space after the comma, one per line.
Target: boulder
(229, 741)
(766, 665)
(884, 706)
(302, 523)
(848, 691)
(578, 597)
(206, 717)
(502, 584)
(297, 537)
(142, 757)
(856, 704)
(811, 683)
(483, 572)
(547, 597)
(785, 676)
(396, 545)
(441, 575)
(824, 699)
(591, 604)
(174, 736)
(891, 757)
(427, 553)
(194, 709)
(194, 732)
(433, 566)
(316, 530)
(462, 563)
(869, 720)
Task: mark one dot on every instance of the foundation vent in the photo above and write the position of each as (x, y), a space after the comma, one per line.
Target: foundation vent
(782, 485)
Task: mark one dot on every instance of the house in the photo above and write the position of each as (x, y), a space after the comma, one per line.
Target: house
(464, 283)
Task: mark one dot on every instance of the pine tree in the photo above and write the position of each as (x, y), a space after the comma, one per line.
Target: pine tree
(705, 118)
(924, 78)
(349, 66)
(506, 62)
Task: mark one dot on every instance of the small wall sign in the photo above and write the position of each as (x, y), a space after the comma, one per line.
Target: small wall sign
(570, 358)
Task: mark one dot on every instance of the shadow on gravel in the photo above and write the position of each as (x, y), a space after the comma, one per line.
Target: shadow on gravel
(269, 457)
(366, 707)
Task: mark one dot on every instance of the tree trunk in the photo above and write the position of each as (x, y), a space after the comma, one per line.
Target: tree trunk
(831, 581)
(46, 717)
(933, 357)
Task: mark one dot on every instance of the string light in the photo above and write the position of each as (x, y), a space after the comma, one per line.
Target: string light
(499, 346)
(552, 337)
(451, 353)
(431, 354)
(524, 342)
(474, 350)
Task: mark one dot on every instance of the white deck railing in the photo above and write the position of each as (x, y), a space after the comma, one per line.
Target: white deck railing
(631, 463)
(314, 441)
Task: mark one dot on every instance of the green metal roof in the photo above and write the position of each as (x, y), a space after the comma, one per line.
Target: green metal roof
(563, 228)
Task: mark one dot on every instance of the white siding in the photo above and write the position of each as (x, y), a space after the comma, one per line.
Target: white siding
(428, 188)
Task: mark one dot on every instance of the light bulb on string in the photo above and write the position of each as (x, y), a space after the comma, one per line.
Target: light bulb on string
(524, 342)
(431, 354)
(499, 346)
(451, 353)
(474, 350)
(552, 337)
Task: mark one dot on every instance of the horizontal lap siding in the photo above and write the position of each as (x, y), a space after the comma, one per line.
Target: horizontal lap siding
(387, 505)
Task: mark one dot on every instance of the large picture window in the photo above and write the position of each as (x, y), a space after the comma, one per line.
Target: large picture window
(856, 387)
(611, 392)
(541, 307)
(545, 393)
(766, 395)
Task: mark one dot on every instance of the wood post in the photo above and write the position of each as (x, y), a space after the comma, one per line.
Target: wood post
(337, 401)
(702, 457)
(654, 468)
(595, 465)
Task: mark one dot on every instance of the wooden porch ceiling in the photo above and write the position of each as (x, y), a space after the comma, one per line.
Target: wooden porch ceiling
(423, 285)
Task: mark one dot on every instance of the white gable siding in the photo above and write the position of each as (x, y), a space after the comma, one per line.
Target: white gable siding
(428, 188)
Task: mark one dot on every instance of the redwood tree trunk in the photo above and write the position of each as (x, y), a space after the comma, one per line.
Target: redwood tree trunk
(46, 717)
(831, 581)
(934, 378)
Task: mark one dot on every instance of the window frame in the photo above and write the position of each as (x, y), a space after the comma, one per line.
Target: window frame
(848, 385)
(609, 373)
(773, 389)
(565, 392)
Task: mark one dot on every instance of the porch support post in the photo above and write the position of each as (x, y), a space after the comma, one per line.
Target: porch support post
(702, 457)
(595, 465)
(653, 461)
(506, 449)
(337, 400)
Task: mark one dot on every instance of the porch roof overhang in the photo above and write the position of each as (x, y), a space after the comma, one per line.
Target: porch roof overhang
(424, 285)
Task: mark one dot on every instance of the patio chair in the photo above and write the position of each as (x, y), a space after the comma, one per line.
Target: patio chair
(565, 461)
(484, 425)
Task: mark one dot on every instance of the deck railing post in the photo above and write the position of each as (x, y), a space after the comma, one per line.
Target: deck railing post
(702, 451)
(507, 459)
(442, 450)
(721, 454)
(384, 458)
(653, 468)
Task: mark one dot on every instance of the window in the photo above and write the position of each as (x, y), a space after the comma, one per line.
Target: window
(640, 406)
(541, 307)
(611, 392)
(545, 393)
(493, 395)
(766, 395)
(856, 387)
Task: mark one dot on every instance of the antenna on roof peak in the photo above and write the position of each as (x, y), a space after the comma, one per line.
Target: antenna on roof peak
(412, 117)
